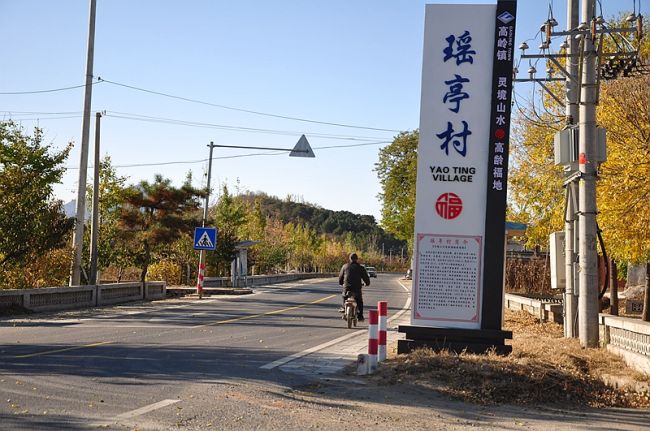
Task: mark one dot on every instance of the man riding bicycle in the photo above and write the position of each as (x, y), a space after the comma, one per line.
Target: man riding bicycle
(351, 277)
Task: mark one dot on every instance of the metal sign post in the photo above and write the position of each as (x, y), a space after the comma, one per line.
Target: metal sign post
(202, 243)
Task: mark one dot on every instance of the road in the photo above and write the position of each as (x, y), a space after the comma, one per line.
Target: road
(148, 364)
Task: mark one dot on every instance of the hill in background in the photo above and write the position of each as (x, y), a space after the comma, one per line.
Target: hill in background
(338, 224)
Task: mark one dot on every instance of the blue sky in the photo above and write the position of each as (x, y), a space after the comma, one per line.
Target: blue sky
(356, 63)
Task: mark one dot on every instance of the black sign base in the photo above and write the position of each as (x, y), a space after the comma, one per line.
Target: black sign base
(455, 340)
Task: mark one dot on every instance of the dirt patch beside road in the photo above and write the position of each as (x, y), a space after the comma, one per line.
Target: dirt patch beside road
(544, 368)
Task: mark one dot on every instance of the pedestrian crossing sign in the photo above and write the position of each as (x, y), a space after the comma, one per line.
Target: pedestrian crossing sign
(205, 238)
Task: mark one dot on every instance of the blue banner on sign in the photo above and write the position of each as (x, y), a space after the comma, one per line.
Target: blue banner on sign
(205, 238)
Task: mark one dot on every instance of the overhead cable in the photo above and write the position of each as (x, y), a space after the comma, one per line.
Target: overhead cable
(272, 153)
(148, 118)
(248, 111)
(50, 90)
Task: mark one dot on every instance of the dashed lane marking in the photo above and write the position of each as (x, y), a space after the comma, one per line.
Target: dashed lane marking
(218, 322)
(67, 349)
(145, 409)
(268, 313)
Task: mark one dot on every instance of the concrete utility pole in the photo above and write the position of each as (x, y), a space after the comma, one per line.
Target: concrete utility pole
(582, 75)
(199, 284)
(572, 97)
(94, 230)
(588, 299)
(78, 235)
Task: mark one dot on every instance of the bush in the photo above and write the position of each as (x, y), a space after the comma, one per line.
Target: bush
(531, 276)
(165, 270)
(50, 269)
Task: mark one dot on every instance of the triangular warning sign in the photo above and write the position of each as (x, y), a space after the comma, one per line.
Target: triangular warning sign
(204, 241)
(302, 149)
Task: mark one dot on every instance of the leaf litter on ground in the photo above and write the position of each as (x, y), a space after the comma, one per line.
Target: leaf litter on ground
(544, 369)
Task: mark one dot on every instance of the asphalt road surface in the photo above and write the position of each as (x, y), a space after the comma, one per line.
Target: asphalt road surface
(144, 363)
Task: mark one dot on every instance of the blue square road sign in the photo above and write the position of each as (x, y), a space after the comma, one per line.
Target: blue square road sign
(205, 238)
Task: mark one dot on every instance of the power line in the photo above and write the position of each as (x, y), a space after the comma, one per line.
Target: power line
(6, 111)
(248, 111)
(352, 145)
(50, 90)
(64, 117)
(187, 123)
(541, 122)
(278, 153)
(147, 118)
(187, 99)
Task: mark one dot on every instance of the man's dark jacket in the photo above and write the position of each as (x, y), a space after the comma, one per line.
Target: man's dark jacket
(351, 275)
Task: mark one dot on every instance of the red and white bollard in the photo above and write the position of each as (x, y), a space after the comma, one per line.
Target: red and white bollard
(199, 281)
(372, 340)
(382, 307)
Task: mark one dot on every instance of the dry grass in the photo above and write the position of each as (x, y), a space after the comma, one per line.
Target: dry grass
(544, 368)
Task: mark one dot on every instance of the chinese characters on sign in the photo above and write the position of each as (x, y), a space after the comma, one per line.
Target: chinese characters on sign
(455, 93)
(448, 274)
(497, 170)
(462, 154)
(460, 49)
(503, 36)
(449, 206)
(460, 145)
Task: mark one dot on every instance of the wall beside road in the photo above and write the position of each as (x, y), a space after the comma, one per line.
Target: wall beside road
(547, 310)
(628, 338)
(261, 280)
(65, 298)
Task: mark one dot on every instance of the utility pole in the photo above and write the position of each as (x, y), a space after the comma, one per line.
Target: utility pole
(588, 299)
(94, 230)
(78, 235)
(199, 283)
(582, 76)
(572, 97)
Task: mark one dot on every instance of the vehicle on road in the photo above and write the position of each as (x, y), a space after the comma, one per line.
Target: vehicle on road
(372, 272)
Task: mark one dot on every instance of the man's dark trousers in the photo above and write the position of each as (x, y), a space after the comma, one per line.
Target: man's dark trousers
(358, 297)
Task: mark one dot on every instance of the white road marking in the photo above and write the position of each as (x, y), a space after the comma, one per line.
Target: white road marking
(118, 326)
(306, 352)
(145, 409)
(404, 287)
(407, 305)
(297, 355)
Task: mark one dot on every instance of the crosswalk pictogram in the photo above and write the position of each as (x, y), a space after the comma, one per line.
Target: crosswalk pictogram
(205, 238)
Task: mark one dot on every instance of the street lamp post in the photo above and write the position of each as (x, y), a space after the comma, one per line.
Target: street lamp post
(301, 149)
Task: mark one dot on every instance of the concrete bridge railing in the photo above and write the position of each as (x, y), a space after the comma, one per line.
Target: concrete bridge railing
(65, 298)
(261, 280)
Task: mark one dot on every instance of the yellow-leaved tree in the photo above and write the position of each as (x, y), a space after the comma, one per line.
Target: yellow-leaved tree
(624, 189)
(535, 184)
(624, 186)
